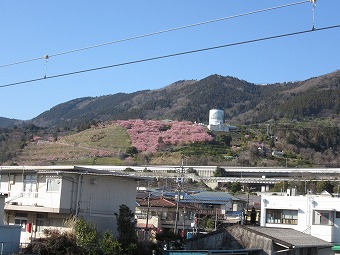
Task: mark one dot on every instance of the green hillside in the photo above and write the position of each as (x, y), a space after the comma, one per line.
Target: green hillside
(300, 119)
(102, 145)
(301, 144)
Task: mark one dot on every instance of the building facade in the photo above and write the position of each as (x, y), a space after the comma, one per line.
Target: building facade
(317, 215)
(46, 197)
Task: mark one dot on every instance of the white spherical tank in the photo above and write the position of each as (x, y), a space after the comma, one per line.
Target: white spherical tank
(216, 117)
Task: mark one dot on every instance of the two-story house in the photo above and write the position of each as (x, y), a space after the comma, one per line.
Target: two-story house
(221, 206)
(41, 197)
(317, 215)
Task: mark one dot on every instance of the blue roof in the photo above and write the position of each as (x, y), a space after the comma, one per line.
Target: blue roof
(209, 198)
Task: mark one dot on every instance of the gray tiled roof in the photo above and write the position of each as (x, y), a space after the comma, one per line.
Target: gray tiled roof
(293, 237)
(210, 197)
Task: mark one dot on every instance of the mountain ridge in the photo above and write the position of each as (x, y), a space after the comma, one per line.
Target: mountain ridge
(243, 102)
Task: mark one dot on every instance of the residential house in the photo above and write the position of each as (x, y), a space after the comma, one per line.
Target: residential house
(316, 215)
(41, 197)
(155, 213)
(198, 212)
(221, 206)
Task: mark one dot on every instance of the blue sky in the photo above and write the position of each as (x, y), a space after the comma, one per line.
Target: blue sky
(33, 29)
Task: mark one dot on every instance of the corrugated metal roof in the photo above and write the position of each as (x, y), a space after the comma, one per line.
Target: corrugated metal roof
(290, 236)
(69, 170)
(210, 197)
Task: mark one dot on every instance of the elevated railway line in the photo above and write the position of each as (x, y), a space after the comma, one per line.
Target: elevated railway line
(255, 176)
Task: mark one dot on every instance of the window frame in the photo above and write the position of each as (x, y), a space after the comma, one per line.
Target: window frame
(30, 183)
(22, 220)
(53, 184)
(322, 220)
(282, 216)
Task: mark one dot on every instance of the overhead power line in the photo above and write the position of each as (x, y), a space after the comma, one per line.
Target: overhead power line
(170, 55)
(153, 33)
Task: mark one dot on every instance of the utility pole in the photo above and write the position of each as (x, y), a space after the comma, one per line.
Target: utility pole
(179, 181)
(216, 218)
(147, 218)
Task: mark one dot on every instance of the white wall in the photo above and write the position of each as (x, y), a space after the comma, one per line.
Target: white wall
(101, 197)
(95, 197)
(305, 206)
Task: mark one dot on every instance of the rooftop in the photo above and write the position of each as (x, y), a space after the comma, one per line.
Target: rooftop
(84, 170)
(290, 237)
(210, 197)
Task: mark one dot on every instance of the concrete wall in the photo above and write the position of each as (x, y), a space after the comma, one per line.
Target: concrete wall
(250, 240)
(213, 241)
(231, 239)
(238, 237)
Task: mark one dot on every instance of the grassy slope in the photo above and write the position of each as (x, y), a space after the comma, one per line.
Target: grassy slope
(92, 146)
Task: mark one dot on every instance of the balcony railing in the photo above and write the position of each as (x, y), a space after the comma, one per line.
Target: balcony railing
(26, 198)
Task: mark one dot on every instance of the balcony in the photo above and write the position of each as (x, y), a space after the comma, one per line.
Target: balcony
(33, 201)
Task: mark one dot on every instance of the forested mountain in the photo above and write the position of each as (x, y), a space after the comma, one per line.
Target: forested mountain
(243, 102)
(299, 118)
(5, 122)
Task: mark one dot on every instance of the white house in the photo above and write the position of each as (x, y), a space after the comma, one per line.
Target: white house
(317, 215)
(41, 197)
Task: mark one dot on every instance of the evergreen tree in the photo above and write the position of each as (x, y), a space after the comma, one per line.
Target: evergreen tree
(127, 236)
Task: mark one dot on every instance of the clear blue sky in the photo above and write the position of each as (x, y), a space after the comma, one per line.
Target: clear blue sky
(31, 29)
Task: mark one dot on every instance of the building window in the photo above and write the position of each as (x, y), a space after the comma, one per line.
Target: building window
(53, 184)
(337, 214)
(21, 219)
(41, 222)
(279, 216)
(164, 215)
(323, 217)
(30, 182)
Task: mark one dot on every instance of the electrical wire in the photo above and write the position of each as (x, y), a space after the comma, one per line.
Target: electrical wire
(154, 33)
(170, 55)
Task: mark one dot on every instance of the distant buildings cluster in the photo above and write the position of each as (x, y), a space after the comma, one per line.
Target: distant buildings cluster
(34, 198)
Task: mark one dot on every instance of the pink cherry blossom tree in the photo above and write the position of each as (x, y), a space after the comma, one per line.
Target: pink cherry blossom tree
(150, 135)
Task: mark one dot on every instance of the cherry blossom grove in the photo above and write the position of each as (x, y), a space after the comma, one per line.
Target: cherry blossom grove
(151, 135)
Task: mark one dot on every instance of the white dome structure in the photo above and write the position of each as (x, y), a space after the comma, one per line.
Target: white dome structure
(216, 117)
(216, 122)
